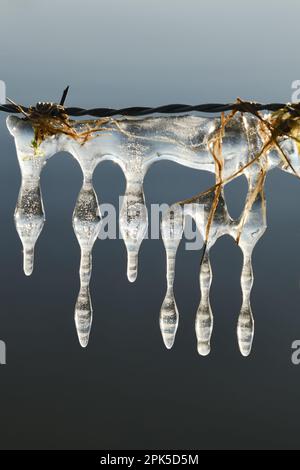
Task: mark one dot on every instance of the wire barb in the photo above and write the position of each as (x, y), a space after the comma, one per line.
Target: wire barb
(64, 96)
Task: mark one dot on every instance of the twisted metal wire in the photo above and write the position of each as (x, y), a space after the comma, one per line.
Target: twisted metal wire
(213, 108)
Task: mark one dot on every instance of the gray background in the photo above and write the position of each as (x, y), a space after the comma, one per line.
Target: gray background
(125, 390)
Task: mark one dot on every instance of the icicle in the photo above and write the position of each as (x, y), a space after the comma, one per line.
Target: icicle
(29, 220)
(86, 224)
(29, 212)
(204, 316)
(245, 328)
(171, 230)
(133, 223)
(200, 210)
(254, 225)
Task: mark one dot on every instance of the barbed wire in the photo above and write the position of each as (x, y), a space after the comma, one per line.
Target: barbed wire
(212, 108)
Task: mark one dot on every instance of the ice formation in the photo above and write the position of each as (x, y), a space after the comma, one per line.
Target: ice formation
(225, 148)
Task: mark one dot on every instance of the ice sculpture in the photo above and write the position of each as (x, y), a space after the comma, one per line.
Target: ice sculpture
(228, 147)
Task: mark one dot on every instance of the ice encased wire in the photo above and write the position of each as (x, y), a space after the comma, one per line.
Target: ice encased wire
(135, 144)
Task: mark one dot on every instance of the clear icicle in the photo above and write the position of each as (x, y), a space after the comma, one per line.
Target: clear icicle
(204, 316)
(86, 224)
(200, 210)
(171, 230)
(245, 327)
(133, 224)
(254, 225)
(29, 213)
(29, 220)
